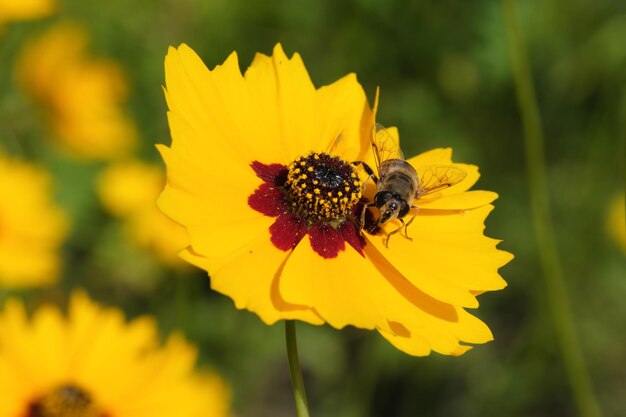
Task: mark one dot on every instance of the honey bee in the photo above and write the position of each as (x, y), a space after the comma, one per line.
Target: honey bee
(398, 184)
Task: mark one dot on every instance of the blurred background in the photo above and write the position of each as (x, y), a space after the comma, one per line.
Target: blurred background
(445, 78)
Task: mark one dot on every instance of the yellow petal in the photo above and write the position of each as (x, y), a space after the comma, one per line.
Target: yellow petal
(251, 277)
(207, 156)
(130, 186)
(346, 290)
(283, 97)
(18, 372)
(266, 116)
(25, 9)
(272, 114)
(342, 112)
(28, 255)
(448, 256)
(48, 331)
(205, 123)
(439, 156)
(443, 156)
(458, 201)
(82, 95)
(21, 344)
(120, 365)
(467, 183)
(370, 293)
(416, 345)
(212, 206)
(421, 317)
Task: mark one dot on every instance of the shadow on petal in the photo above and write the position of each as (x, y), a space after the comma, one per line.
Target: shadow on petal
(399, 329)
(411, 293)
(279, 302)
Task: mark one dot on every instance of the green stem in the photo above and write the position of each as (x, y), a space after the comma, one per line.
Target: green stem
(299, 393)
(556, 288)
(623, 135)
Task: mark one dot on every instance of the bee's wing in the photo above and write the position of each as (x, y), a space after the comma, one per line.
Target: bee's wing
(384, 145)
(433, 178)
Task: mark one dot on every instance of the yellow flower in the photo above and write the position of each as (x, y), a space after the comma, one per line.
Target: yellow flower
(12, 10)
(94, 364)
(260, 174)
(616, 221)
(129, 190)
(83, 95)
(32, 227)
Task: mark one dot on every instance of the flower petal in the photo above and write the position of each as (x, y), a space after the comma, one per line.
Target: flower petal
(448, 257)
(251, 278)
(370, 293)
(268, 200)
(417, 346)
(273, 113)
(273, 174)
(443, 156)
(422, 317)
(217, 105)
(206, 157)
(438, 156)
(427, 333)
(287, 231)
(326, 241)
(344, 119)
(345, 290)
(213, 208)
(282, 97)
(459, 201)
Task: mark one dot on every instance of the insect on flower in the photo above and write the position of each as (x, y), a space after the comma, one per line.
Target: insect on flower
(398, 184)
(291, 245)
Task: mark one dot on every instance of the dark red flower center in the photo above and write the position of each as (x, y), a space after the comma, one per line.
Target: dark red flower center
(64, 401)
(317, 194)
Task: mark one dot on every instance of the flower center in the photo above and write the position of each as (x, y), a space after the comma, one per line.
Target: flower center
(64, 401)
(316, 195)
(322, 188)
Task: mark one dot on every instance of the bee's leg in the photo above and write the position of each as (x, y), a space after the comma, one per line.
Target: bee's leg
(370, 176)
(406, 235)
(364, 186)
(370, 172)
(409, 222)
(399, 229)
(393, 232)
(362, 219)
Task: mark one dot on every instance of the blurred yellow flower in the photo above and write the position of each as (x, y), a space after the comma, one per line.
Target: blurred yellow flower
(32, 227)
(83, 96)
(616, 221)
(12, 10)
(129, 190)
(94, 364)
(245, 150)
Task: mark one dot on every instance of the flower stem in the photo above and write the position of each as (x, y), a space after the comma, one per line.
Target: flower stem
(556, 288)
(623, 135)
(299, 393)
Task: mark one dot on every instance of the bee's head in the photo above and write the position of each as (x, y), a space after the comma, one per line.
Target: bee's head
(391, 206)
(389, 211)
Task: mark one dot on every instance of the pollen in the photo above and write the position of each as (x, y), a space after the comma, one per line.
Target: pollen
(336, 188)
(65, 401)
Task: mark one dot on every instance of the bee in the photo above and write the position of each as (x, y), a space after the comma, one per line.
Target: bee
(398, 184)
